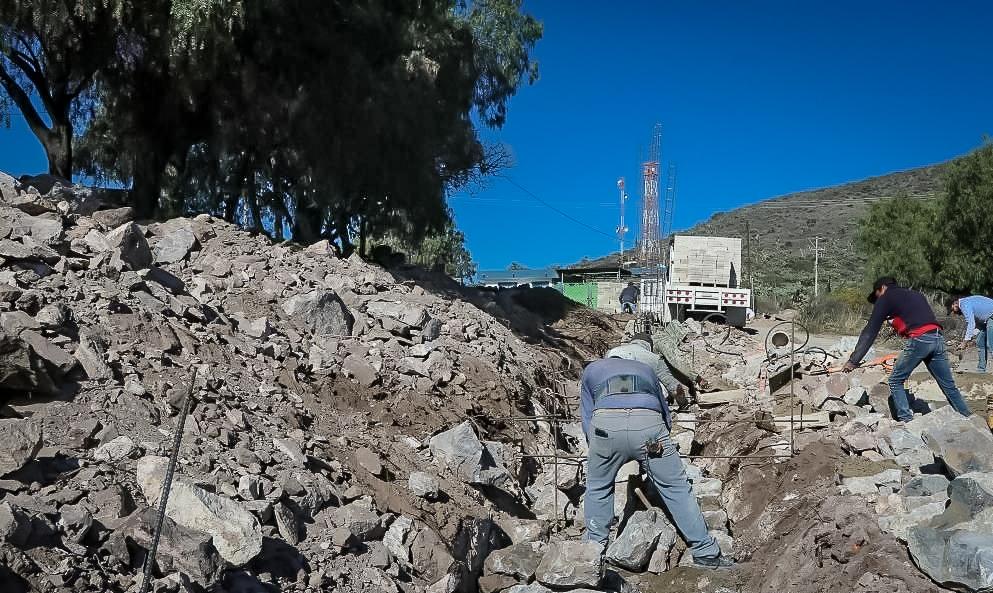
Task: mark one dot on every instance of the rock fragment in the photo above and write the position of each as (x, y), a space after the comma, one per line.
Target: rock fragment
(129, 247)
(235, 531)
(570, 565)
(21, 441)
(424, 485)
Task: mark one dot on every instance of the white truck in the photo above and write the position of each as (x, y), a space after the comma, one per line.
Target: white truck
(704, 276)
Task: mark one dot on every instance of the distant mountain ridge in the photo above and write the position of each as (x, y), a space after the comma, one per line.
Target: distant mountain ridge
(780, 230)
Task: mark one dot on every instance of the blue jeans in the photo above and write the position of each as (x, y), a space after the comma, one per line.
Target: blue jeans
(629, 307)
(618, 436)
(984, 344)
(929, 349)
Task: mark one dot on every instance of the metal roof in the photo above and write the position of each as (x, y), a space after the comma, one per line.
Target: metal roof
(516, 276)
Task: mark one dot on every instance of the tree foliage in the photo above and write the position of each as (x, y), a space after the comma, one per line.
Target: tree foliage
(50, 54)
(899, 237)
(345, 120)
(943, 244)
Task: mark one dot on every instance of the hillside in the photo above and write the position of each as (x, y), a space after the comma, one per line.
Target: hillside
(781, 228)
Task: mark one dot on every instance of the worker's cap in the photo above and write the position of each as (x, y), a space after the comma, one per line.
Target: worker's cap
(879, 283)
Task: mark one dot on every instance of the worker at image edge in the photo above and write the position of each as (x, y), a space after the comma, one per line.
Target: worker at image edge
(625, 417)
(977, 311)
(912, 317)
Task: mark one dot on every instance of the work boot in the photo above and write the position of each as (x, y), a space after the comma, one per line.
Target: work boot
(715, 562)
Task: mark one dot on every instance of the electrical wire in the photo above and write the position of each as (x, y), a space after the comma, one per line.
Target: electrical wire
(553, 208)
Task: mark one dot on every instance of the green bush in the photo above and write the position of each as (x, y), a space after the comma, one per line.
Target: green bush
(844, 311)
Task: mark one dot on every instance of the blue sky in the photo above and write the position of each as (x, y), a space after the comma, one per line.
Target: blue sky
(757, 99)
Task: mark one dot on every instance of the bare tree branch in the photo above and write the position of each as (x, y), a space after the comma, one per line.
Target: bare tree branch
(23, 102)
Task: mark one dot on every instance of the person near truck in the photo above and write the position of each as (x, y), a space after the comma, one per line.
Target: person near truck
(629, 298)
(639, 348)
(912, 317)
(977, 311)
(625, 417)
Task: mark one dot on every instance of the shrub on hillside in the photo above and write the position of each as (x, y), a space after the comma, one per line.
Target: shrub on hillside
(843, 311)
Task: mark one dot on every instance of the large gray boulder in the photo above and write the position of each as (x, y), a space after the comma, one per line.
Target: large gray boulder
(953, 557)
(91, 355)
(643, 532)
(926, 485)
(429, 555)
(234, 530)
(571, 564)
(20, 441)
(180, 549)
(409, 314)
(15, 525)
(22, 369)
(461, 451)
(961, 444)
(129, 248)
(178, 240)
(46, 228)
(321, 311)
(519, 560)
(360, 518)
(900, 524)
(8, 187)
(956, 547)
(114, 217)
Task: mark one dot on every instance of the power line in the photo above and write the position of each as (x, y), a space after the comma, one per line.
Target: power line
(550, 207)
(481, 201)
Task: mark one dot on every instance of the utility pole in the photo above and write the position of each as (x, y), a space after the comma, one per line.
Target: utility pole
(621, 229)
(815, 244)
(748, 256)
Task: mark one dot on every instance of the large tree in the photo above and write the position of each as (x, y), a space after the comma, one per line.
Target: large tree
(965, 234)
(50, 53)
(346, 120)
(944, 243)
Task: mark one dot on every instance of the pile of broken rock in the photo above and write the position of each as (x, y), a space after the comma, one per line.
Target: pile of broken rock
(345, 435)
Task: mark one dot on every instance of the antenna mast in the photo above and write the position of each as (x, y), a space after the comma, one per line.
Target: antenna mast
(651, 234)
(621, 229)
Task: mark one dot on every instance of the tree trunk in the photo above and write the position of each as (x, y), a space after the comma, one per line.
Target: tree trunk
(58, 149)
(362, 233)
(307, 223)
(252, 195)
(231, 207)
(341, 227)
(146, 189)
(277, 226)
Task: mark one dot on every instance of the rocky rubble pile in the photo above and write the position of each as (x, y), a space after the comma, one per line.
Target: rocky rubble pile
(356, 430)
(858, 487)
(345, 435)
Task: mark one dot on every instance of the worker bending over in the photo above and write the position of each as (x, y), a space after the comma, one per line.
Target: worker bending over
(912, 317)
(639, 348)
(625, 417)
(977, 311)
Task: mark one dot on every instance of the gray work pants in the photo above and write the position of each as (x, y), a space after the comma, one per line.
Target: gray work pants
(627, 431)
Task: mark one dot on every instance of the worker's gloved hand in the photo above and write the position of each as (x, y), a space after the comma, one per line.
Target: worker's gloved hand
(849, 367)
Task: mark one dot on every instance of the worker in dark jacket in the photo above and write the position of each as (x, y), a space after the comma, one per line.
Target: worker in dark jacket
(625, 417)
(629, 298)
(912, 317)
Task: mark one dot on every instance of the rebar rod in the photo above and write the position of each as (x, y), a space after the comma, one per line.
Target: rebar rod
(177, 440)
